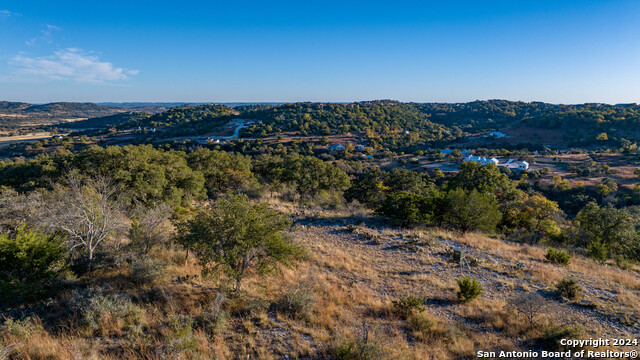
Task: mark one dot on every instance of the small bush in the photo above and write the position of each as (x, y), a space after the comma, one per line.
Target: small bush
(531, 305)
(598, 250)
(298, 300)
(98, 310)
(366, 346)
(246, 306)
(420, 323)
(405, 306)
(215, 320)
(146, 271)
(568, 289)
(21, 328)
(550, 340)
(557, 256)
(179, 336)
(469, 289)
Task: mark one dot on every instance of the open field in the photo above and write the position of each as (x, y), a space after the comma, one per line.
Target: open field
(8, 140)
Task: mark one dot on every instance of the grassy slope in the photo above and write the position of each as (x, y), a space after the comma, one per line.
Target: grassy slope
(355, 266)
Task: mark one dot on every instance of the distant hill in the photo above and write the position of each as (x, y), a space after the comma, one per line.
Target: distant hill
(12, 106)
(121, 120)
(14, 114)
(380, 117)
(133, 105)
(148, 104)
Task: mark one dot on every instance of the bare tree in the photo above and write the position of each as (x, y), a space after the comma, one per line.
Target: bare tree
(88, 211)
(18, 209)
(531, 305)
(150, 227)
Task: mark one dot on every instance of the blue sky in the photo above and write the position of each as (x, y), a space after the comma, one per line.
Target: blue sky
(560, 51)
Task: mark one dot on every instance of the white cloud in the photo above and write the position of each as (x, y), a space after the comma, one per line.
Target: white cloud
(6, 13)
(45, 35)
(69, 64)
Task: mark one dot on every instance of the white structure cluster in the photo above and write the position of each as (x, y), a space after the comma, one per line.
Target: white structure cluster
(511, 163)
(482, 160)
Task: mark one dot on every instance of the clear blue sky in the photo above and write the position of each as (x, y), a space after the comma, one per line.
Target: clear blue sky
(560, 51)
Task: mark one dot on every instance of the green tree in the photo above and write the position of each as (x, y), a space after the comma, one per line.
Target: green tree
(149, 175)
(368, 188)
(406, 180)
(484, 179)
(607, 231)
(406, 208)
(30, 261)
(236, 237)
(309, 175)
(466, 211)
(222, 171)
(537, 215)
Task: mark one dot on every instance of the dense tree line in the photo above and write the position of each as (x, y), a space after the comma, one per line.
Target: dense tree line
(377, 119)
(484, 199)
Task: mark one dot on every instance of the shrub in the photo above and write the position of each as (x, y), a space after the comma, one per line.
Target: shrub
(405, 306)
(420, 323)
(146, 271)
(365, 347)
(298, 300)
(30, 262)
(469, 289)
(406, 208)
(466, 211)
(550, 340)
(215, 320)
(557, 256)
(21, 328)
(598, 250)
(179, 336)
(568, 289)
(98, 309)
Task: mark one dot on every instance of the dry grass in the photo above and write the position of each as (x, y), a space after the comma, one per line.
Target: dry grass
(353, 283)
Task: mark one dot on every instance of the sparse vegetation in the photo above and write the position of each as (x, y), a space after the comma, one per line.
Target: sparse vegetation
(193, 248)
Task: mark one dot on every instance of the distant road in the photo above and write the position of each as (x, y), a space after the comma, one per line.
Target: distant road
(8, 140)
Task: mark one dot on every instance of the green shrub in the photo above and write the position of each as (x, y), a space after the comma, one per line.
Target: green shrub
(468, 289)
(557, 256)
(598, 250)
(405, 306)
(21, 328)
(179, 335)
(568, 289)
(30, 262)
